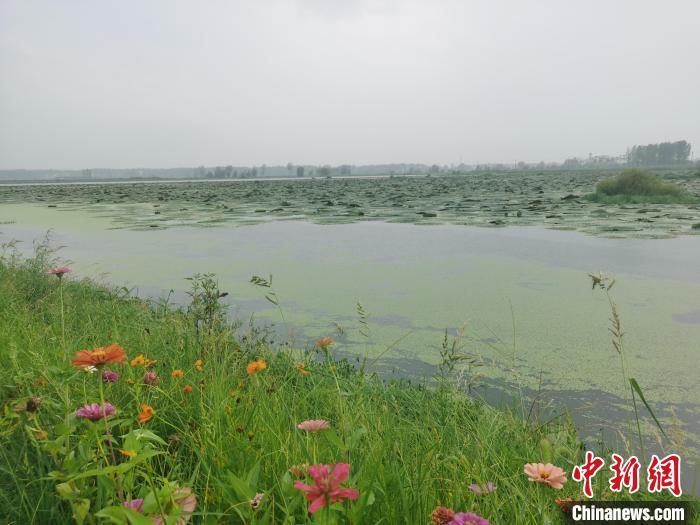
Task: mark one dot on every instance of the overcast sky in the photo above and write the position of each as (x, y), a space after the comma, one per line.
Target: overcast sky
(139, 83)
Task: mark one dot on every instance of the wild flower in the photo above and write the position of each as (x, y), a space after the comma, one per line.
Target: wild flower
(109, 376)
(564, 504)
(95, 411)
(324, 342)
(199, 366)
(313, 425)
(59, 271)
(326, 488)
(468, 518)
(146, 413)
(151, 378)
(99, 356)
(545, 473)
(142, 360)
(299, 471)
(33, 404)
(177, 374)
(182, 504)
(255, 502)
(256, 366)
(301, 369)
(486, 489)
(187, 389)
(442, 516)
(134, 504)
(30, 405)
(90, 369)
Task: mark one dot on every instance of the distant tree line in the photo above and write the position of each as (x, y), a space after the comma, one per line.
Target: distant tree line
(662, 154)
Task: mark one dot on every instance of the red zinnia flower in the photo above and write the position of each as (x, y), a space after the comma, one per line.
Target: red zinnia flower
(99, 356)
(326, 489)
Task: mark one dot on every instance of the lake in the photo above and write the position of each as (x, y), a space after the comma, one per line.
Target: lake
(522, 296)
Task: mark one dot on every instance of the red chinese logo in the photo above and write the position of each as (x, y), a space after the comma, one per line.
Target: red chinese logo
(665, 474)
(626, 474)
(587, 472)
(662, 474)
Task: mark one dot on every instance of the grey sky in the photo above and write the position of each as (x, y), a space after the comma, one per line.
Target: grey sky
(169, 83)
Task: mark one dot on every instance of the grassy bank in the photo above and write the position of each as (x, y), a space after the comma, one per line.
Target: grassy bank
(208, 421)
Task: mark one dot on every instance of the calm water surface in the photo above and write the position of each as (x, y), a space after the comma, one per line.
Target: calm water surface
(522, 296)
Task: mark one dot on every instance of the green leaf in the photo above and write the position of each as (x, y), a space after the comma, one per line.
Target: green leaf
(121, 515)
(242, 489)
(333, 438)
(356, 436)
(121, 468)
(80, 507)
(637, 388)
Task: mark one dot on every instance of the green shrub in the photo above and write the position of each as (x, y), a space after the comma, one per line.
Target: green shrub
(637, 186)
(637, 182)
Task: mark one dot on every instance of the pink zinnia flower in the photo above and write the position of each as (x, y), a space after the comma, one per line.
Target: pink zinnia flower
(468, 518)
(545, 473)
(109, 376)
(313, 425)
(486, 489)
(151, 378)
(95, 411)
(134, 504)
(59, 271)
(326, 489)
(182, 502)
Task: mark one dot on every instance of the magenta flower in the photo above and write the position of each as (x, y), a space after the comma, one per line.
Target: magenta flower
(109, 376)
(468, 518)
(59, 271)
(326, 489)
(134, 504)
(151, 378)
(95, 411)
(486, 489)
(313, 425)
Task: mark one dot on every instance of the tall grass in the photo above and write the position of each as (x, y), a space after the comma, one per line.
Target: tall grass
(410, 447)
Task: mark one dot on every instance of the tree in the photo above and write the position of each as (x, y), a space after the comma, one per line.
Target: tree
(300, 171)
(662, 154)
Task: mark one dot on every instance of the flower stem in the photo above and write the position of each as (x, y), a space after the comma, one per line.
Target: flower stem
(63, 320)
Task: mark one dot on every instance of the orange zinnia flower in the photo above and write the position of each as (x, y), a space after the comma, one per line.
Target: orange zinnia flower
(142, 360)
(324, 343)
(187, 389)
(177, 374)
(146, 413)
(99, 356)
(301, 368)
(255, 366)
